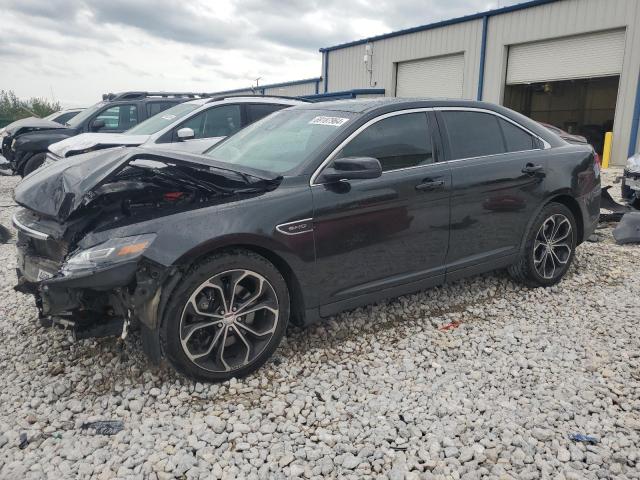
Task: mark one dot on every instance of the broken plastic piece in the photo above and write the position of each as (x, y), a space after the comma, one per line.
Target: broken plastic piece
(104, 427)
(608, 203)
(628, 230)
(24, 441)
(449, 326)
(580, 437)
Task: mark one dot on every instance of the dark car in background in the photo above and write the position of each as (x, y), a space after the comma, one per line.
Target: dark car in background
(312, 210)
(26, 150)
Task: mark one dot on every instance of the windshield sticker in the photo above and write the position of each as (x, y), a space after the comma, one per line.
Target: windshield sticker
(331, 121)
(168, 117)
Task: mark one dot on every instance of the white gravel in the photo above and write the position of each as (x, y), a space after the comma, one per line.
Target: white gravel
(380, 391)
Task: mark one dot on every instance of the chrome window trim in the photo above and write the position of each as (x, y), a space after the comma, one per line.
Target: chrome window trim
(29, 231)
(332, 155)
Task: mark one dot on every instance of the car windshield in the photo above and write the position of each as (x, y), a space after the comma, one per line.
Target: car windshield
(52, 115)
(83, 115)
(282, 141)
(163, 119)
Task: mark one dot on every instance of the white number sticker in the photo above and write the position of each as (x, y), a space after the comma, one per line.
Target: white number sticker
(331, 121)
(44, 275)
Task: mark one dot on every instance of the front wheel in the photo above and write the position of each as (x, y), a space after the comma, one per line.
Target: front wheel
(33, 163)
(549, 248)
(227, 317)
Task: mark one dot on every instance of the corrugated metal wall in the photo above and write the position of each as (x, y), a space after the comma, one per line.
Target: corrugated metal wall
(293, 90)
(564, 18)
(347, 69)
(561, 19)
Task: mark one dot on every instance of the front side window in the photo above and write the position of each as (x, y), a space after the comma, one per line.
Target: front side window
(282, 141)
(164, 119)
(118, 118)
(401, 141)
(216, 122)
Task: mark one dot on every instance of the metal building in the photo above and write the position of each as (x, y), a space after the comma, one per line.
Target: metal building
(571, 63)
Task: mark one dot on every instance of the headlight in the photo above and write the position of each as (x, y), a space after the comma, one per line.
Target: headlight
(116, 250)
(633, 163)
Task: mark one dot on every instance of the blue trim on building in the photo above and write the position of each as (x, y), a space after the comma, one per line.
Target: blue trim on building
(325, 75)
(483, 55)
(317, 86)
(345, 94)
(262, 88)
(444, 23)
(635, 122)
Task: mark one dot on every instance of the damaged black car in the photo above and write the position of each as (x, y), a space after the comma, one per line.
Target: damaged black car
(308, 212)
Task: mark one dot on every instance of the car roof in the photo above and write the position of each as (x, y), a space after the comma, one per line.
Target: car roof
(248, 99)
(362, 105)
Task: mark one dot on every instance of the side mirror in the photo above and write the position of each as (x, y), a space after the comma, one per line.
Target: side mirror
(352, 168)
(97, 125)
(186, 134)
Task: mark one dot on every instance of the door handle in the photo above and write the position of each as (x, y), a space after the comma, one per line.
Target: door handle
(531, 169)
(430, 185)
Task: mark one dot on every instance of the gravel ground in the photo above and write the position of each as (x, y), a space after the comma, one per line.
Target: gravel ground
(382, 391)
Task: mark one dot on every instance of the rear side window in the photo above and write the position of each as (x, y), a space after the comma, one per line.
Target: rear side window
(400, 141)
(154, 108)
(473, 134)
(256, 111)
(515, 138)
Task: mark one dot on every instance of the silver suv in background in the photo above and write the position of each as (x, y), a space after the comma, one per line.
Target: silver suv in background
(192, 126)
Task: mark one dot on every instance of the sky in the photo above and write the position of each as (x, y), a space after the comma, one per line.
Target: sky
(73, 51)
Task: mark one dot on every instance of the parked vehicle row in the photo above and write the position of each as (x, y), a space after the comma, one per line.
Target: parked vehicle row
(26, 147)
(311, 210)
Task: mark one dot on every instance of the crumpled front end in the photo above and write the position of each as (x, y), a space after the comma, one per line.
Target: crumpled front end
(86, 224)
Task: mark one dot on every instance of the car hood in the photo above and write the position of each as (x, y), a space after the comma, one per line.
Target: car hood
(31, 124)
(61, 188)
(87, 142)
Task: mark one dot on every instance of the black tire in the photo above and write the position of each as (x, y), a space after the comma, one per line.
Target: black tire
(538, 274)
(33, 163)
(181, 332)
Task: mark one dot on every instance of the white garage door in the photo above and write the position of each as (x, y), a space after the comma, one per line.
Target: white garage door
(584, 56)
(431, 77)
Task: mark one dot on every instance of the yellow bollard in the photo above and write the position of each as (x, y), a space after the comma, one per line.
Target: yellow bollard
(606, 151)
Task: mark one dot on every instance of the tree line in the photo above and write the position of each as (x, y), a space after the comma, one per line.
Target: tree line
(13, 108)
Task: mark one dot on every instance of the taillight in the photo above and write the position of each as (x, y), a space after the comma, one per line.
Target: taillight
(173, 196)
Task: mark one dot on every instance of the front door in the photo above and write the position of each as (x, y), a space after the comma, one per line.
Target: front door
(385, 233)
(498, 183)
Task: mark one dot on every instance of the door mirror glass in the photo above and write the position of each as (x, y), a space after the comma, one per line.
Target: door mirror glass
(97, 124)
(352, 168)
(186, 133)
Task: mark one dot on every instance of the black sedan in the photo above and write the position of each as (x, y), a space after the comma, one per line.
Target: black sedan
(308, 212)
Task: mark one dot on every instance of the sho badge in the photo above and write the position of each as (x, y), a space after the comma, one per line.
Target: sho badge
(294, 228)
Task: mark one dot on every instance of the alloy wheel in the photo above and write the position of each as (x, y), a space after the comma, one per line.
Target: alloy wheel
(553, 246)
(229, 320)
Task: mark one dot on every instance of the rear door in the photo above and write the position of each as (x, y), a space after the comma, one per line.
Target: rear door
(498, 183)
(389, 232)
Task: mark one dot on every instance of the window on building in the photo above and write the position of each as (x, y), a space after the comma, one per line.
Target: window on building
(397, 142)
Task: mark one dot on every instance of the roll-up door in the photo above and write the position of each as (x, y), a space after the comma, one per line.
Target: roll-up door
(431, 77)
(583, 56)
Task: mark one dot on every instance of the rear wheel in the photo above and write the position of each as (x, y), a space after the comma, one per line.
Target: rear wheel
(33, 163)
(549, 249)
(227, 318)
